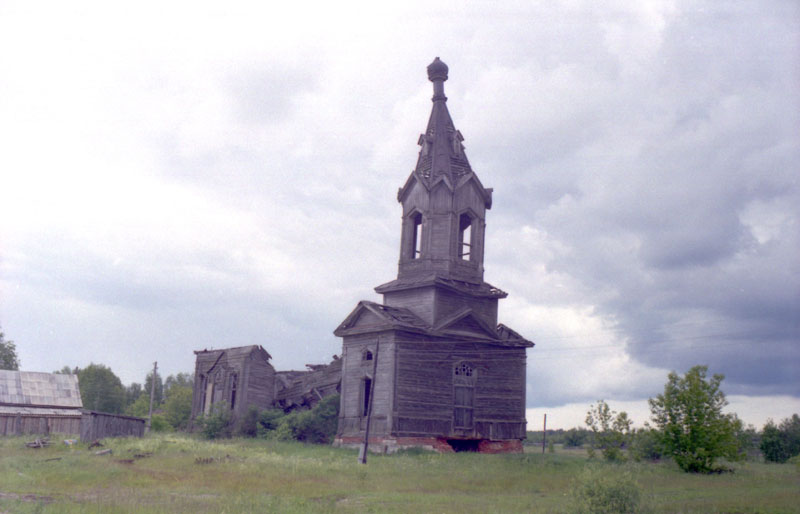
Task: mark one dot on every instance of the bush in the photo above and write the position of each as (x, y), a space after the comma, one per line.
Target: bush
(646, 445)
(159, 423)
(218, 423)
(597, 491)
(247, 425)
(317, 425)
(268, 421)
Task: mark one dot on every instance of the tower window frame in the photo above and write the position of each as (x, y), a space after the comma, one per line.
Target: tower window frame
(416, 235)
(466, 236)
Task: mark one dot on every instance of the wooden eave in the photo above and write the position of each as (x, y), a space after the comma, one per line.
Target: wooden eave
(384, 313)
(482, 290)
(413, 177)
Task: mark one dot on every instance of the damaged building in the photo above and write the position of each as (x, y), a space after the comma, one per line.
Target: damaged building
(242, 377)
(430, 366)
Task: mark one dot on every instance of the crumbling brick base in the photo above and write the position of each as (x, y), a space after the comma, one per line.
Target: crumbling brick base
(437, 444)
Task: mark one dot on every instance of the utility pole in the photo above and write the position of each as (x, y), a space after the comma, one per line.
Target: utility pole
(152, 393)
(544, 433)
(362, 457)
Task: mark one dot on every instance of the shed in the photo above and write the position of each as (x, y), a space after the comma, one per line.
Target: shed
(39, 403)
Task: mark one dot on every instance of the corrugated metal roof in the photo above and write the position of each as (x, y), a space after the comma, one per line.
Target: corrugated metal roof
(31, 388)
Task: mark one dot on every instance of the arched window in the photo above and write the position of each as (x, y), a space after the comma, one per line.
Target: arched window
(464, 378)
(465, 229)
(366, 356)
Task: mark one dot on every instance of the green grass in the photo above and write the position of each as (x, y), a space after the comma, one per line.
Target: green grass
(185, 474)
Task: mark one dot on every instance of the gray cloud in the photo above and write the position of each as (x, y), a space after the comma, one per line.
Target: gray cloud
(643, 159)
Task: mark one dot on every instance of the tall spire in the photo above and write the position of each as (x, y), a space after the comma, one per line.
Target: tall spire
(441, 153)
(444, 203)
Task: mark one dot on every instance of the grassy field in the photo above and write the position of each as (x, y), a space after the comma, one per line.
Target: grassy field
(175, 473)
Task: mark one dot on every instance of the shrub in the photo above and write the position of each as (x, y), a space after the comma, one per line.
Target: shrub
(247, 425)
(217, 423)
(646, 445)
(597, 491)
(317, 425)
(159, 423)
(268, 421)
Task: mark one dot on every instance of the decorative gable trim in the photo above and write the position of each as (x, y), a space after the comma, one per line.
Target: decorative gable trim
(450, 323)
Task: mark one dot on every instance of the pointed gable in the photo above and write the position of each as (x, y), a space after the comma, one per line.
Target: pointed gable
(466, 322)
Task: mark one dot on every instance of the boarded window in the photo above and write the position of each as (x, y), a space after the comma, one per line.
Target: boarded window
(464, 376)
(209, 396)
(234, 385)
(203, 392)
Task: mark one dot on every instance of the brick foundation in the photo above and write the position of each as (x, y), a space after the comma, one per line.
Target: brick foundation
(437, 444)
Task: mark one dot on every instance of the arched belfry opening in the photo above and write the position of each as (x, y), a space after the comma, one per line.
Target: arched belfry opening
(446, 374)
(465, 231)
(416, 237)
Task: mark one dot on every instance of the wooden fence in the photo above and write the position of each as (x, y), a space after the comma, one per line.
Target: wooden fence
(89, 425)
(97, 425)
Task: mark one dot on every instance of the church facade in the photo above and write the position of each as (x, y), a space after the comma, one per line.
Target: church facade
(430, 366)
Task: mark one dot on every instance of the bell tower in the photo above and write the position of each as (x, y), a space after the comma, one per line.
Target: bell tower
(444, 221)
(430, 366)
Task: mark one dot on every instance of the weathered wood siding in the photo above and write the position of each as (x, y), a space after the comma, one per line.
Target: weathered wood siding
(447, 302)
(258, 379)
(352, 422)
(424, 403)
(254, 377)
(23, 424)
(98, 425)
(416, 300)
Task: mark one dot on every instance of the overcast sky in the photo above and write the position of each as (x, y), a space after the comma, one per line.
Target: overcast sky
(180, 176)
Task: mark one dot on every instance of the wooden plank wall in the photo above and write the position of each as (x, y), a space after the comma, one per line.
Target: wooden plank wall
(447, 302)
(424, 392)
(98, 425)
(351, 421)
(257, 386)
(23, 424)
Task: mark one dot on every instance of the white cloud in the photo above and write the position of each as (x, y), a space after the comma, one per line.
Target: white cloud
(183, 176)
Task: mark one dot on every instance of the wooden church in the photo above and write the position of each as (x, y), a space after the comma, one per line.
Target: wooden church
(430, 366)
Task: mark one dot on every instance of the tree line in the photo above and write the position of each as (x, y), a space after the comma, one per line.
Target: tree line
(687, 425)
(103, 391)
